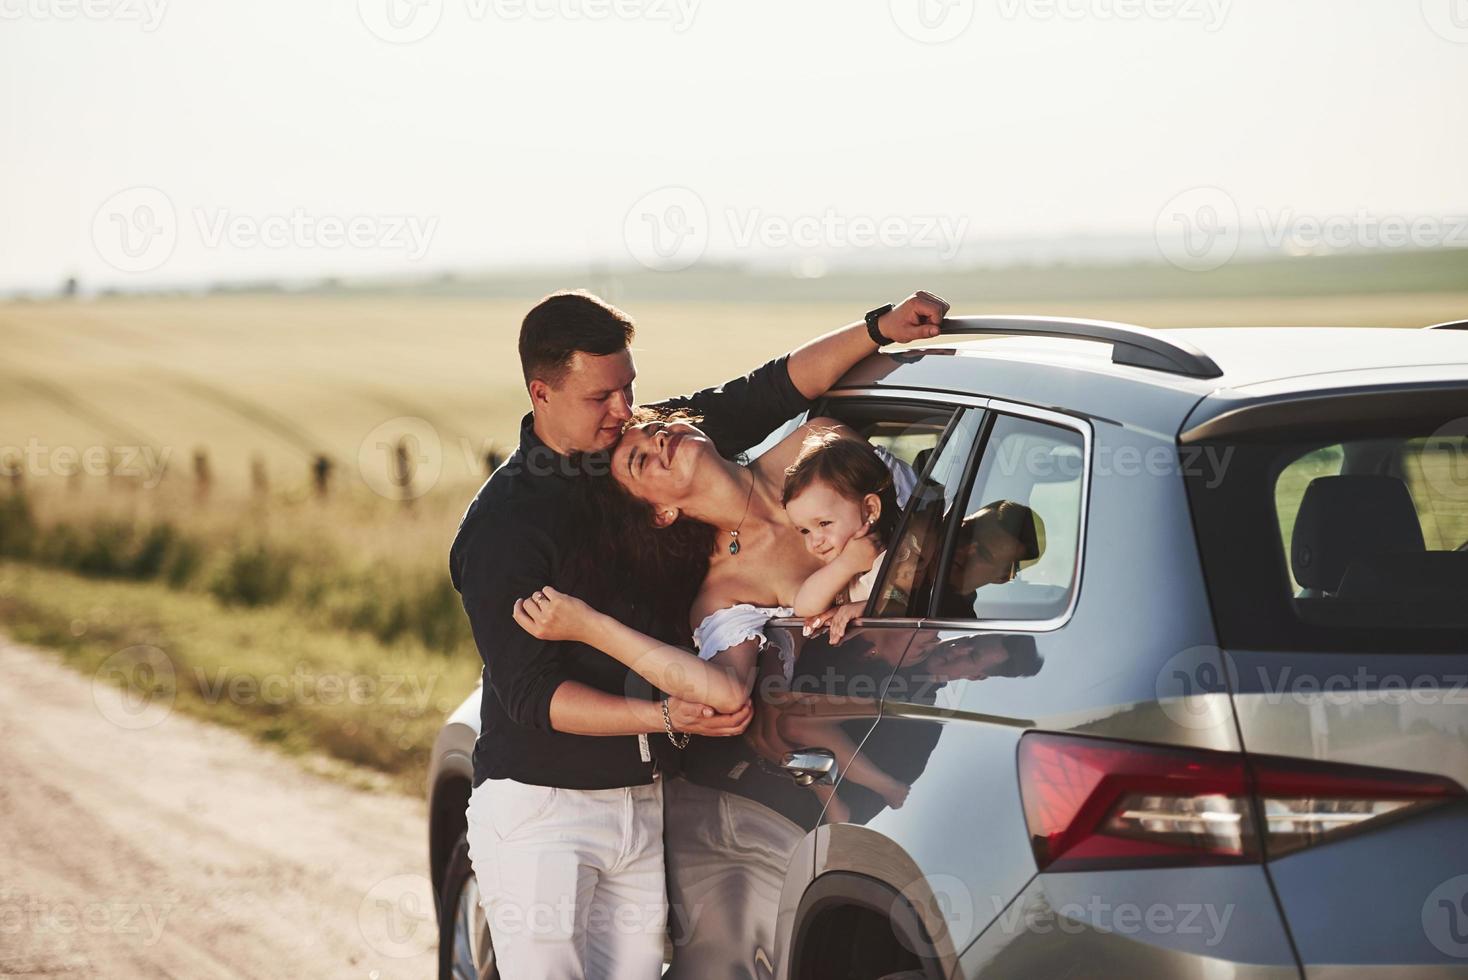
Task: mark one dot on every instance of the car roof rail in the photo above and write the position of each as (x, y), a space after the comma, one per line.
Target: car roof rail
(1130, 344)
(1450, 325)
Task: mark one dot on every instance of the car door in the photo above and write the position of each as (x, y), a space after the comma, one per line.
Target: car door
(1002, 541)
(740, 822)
(853, 676)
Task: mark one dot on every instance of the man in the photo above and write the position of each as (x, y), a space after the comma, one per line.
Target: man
(992, 542)
(565, 820)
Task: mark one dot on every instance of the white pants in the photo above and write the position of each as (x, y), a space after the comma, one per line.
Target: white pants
(571, 880)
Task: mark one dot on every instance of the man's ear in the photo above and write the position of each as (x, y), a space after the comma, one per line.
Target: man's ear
(539, 392)
(664, 516)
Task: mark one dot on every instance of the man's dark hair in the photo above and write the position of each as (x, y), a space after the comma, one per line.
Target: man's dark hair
(564, 323)
(1009, 517)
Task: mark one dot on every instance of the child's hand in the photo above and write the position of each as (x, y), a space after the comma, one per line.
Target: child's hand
(552, 615)
(860, 552)
(840, 617)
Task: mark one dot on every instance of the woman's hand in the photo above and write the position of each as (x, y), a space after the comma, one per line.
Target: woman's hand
(700, 719)
(837, 617)
(552, 615)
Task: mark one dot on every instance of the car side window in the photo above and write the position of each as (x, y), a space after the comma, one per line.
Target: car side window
(905, 586)
(1015, 547)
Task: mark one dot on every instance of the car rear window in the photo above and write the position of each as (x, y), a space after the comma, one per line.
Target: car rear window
(1352, 540)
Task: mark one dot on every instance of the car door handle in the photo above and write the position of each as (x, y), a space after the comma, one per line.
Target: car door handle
(810, 765)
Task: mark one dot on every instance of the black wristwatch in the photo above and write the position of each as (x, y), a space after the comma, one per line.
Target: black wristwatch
(872, 330)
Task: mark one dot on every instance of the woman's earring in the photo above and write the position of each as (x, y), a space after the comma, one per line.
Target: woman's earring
(871, 520)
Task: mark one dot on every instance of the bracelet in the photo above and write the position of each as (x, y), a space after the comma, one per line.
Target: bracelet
(668, 724)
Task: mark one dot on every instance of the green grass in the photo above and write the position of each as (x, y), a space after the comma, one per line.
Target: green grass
(306, 563)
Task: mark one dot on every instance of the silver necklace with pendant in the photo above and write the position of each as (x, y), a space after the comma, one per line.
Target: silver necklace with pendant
(734, 534)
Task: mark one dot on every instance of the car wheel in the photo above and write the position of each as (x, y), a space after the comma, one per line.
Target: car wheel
(465, 951)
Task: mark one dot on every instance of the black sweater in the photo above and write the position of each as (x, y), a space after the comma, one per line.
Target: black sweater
(516, 537)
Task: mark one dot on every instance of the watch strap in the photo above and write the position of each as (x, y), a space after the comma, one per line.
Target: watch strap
(871, 318)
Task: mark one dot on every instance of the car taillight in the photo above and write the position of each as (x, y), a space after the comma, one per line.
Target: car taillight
(1094, 803)
(1304, 803)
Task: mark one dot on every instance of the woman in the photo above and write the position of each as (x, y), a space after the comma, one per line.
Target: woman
(714, 540)
(742, 559)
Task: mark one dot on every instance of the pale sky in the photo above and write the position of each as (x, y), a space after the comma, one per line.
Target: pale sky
(240, 140)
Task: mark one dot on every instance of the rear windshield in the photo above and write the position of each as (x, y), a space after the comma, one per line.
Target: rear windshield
(1356, 540)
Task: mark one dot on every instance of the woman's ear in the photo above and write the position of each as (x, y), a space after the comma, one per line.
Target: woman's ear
(663, 516)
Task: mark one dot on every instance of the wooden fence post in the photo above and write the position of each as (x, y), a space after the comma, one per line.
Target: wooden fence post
(203, 479)
(259, 480)
(321, 475)
(402, 474)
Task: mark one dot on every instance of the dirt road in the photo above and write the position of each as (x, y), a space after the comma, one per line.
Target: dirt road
(184, 850)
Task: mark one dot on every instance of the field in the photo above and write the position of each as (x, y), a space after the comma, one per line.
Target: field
(113, 410)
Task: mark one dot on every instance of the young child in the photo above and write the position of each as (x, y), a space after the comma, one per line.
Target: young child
(843, 495)
(840, 493)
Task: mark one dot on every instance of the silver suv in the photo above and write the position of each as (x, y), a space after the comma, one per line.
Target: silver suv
(1169, 682)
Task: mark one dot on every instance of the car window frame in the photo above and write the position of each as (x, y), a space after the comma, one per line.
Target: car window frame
(992, 406)
(869, 610)
(1082, 427)
(957, 404)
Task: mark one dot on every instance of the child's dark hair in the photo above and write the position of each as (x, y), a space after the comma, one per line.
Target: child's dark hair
(849, 466)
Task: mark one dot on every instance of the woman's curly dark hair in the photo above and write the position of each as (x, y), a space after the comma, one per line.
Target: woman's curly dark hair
(622, 544)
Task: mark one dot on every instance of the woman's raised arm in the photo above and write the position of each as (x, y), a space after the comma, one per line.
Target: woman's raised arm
(553, 615)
